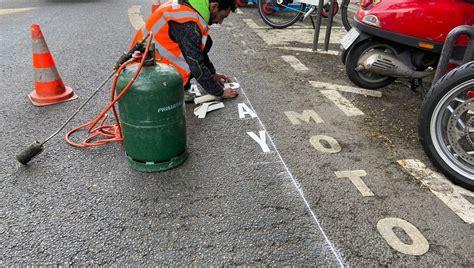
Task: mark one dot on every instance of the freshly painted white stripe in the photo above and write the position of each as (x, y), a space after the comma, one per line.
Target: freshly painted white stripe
(356, 90)
(355, 177)
(297, 186)
(238, 11)
(8, 11)
(302, 49)
(342, 103)
(285, 37)
(135, 17)
(446, 191)
(295, 63)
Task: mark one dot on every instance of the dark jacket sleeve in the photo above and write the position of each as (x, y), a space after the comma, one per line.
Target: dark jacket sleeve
(188, 36)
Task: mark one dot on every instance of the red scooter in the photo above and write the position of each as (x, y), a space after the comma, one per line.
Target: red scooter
(394, 39)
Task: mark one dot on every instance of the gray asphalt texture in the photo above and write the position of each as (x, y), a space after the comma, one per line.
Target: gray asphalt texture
(229, 203)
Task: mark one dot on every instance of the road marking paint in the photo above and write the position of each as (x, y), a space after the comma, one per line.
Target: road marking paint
(262, 140)
(445, 190)
(306, 116)
(283, 37)
(342, 103)
(333, 148)
(194, 89)
(298, 187)
(135, 17)
(302, 49)
(356, 90)
(295, 63)
(355, 176)
(8, 11)
(419, 245)
(238, 11)
(245, 110)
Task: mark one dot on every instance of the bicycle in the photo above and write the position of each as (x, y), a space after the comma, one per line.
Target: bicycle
(281, 14)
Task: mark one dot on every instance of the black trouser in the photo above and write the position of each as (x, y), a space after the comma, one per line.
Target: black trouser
(207, 48)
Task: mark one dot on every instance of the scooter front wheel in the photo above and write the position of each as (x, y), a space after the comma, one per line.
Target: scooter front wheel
(446, 124)
(366, 79)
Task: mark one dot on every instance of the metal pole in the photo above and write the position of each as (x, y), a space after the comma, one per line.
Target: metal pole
(318, 25)
(329, 26)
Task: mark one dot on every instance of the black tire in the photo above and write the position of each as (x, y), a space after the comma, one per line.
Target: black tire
(430, 128)
(270, 18)
(364, 79)
(344, 9)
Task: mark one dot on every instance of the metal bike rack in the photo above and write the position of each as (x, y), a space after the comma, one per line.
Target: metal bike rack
(317, 27)
(448, 48)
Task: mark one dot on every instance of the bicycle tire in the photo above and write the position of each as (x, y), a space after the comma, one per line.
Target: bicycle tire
(344, 9)
(266, 16)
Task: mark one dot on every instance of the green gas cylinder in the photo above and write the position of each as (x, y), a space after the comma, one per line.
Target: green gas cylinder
(152, 117)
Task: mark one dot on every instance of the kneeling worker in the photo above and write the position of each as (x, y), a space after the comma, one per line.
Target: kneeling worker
(181, 34)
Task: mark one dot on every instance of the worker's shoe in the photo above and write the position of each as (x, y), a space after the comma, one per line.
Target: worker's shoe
(189, 97)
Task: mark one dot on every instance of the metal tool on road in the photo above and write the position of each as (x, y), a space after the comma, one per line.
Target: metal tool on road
(37, 147)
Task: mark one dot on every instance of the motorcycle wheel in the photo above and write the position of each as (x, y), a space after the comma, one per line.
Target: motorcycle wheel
(446, 125)
(366, 79)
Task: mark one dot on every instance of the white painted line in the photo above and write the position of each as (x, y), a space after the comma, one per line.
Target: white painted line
(355, 177)
(439, 185)
(238, 11)
(356, 90)
(297, 186)
(135, 17)
(319, 51)
(295, 63)
(286, 37)
(8, 11)
(342, 103)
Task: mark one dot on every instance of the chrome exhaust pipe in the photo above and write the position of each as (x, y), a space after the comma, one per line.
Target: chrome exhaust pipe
(383, 63)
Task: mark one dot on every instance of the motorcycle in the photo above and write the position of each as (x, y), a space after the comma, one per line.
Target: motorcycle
(446, 120)
(393, 39)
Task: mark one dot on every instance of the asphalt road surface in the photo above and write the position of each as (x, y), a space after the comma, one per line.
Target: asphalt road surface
(300, 169)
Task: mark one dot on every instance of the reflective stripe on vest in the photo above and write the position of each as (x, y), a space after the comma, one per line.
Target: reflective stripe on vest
(169, 50)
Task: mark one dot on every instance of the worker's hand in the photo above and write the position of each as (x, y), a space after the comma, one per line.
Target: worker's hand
(221, 78)
(229, 93)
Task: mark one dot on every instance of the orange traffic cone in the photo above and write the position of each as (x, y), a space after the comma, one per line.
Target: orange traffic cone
(49, 87)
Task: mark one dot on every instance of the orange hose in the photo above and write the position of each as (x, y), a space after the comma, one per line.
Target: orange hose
(108, 133)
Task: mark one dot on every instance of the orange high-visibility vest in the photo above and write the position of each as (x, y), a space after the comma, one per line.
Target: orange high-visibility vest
(169, 51)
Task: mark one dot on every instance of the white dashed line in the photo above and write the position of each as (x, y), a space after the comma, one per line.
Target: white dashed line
(342, 103)
(356, 90)
(295, 63)
(135, 17)
(302, 49)
(446, 191)
(8, 11)
(297, 185)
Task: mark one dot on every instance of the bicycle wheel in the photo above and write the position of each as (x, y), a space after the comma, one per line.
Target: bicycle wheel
(344, 11)
(280, 13)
